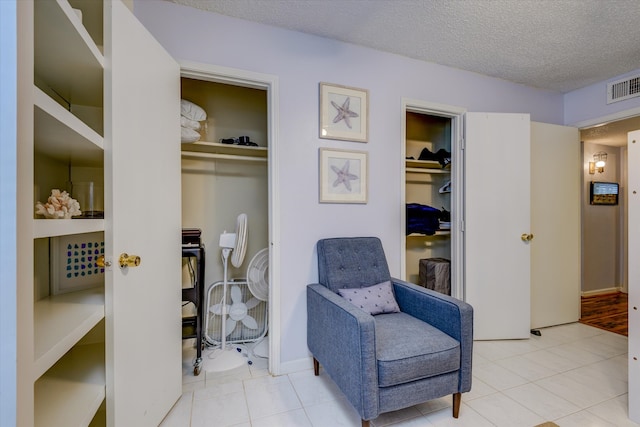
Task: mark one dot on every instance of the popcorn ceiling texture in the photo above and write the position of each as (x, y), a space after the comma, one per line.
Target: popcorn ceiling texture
(560, 45)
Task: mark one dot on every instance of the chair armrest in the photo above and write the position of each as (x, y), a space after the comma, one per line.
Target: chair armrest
(450, 315)
(342, 338)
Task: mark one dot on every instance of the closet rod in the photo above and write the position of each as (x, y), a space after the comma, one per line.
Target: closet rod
(196, 154)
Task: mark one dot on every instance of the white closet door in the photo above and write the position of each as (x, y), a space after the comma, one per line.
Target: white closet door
(142, 195)
(497, 214)
(633, 197)
(555, 222)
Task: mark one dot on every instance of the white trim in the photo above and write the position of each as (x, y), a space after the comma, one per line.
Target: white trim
(601, 291)
(297, 365)
(269, 83)
(620, 115)
(456, 114)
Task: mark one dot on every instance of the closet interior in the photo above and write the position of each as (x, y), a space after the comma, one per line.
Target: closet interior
(428, 196)
(225, 174)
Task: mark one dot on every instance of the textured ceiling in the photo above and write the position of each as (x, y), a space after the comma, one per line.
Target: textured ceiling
(559, 45)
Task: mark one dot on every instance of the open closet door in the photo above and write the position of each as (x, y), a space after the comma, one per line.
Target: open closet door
(497, 224)
(142, 199)
(555, 222)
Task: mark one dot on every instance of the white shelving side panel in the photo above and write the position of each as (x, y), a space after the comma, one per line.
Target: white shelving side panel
(60, 321)
(71, 392)
(64, 227)
(62, 136)
(67, 59)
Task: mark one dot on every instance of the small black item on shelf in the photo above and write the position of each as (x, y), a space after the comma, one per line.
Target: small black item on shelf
(442, 156)
(242, 140)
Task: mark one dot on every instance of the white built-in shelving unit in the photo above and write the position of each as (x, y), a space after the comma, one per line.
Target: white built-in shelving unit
(65, 375)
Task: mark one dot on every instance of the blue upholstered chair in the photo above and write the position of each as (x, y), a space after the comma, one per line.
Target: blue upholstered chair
(392, 360)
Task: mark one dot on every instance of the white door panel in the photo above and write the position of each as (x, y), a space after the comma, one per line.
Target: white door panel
(497, 213)
(555, 222)
(633, 195)
(142, 201)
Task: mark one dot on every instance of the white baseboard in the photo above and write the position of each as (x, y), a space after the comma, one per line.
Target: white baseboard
(296, 366)
(601, 291)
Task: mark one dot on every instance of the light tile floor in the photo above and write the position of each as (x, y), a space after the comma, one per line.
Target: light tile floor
(574, 375)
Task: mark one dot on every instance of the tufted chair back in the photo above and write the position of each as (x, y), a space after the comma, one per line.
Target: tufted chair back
(354, 262)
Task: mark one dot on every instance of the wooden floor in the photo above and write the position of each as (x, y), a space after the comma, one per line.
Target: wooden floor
(606, 311)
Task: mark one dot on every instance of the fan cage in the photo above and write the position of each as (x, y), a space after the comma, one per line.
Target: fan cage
(241, 333)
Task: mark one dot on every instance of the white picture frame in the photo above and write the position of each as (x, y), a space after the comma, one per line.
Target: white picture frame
(343, 176)
(344, 113)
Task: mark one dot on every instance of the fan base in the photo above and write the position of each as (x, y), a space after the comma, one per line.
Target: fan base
(225, 360)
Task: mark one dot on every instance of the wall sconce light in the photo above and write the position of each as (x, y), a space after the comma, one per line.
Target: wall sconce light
(599, 162)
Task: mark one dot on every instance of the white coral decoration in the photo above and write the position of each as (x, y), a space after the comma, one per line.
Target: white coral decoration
(59, 206)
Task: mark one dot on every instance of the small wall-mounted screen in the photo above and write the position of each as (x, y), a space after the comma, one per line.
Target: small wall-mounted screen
(604, 193)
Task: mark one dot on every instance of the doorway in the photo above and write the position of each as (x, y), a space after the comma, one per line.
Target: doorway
(604, 243)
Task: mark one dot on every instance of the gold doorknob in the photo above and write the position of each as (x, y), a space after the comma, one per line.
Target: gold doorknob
(129, 260)
(100, 262)
(526, 237)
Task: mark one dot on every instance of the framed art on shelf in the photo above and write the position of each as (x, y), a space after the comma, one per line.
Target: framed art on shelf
(344, 113)
(343, 176)
(74, 262)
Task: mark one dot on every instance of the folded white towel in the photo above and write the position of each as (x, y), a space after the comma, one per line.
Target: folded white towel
(188, 123)
(192, 111)
(188, 135)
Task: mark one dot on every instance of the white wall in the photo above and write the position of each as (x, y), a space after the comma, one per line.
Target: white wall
(302, 61)
(590, 103)
(602, 267)
(8, 180)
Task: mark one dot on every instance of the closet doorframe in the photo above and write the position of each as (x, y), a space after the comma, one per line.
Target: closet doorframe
(269, 83)
(456, 114)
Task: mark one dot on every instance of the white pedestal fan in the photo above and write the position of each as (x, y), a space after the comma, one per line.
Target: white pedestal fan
(233, 245)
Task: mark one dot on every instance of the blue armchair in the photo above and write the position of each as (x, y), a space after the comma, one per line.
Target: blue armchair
(388, 361)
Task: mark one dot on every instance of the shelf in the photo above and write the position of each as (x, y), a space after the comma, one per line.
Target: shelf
(60, 321)
(67, 59)
(438, 233)
(62, 136)
(71, 392)
(426, 166)
(218, 150)
(64, 227)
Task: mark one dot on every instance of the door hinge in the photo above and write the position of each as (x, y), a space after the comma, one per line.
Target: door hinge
(462, 225)
(462, 143)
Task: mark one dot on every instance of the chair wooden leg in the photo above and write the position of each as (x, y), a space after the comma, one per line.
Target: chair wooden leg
(316, 367)
(457, 398)
(365, 423)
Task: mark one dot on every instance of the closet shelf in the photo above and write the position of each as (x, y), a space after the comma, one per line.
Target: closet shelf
(74, 72)
(62, 136)
(438, 233)
(71, 392)
(426, 166)
(63, 227)
(224, 150)
(59, 323)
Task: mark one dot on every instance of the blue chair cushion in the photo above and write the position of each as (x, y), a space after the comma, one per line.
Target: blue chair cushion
(408, 349)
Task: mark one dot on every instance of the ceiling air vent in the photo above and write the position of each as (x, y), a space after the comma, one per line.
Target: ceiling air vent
(623, 89)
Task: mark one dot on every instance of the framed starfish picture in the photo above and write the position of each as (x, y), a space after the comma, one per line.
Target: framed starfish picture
(344, 113)
(343, 176)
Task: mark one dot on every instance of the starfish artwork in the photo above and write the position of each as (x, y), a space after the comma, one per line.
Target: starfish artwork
(344, 177)
(344, 113)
